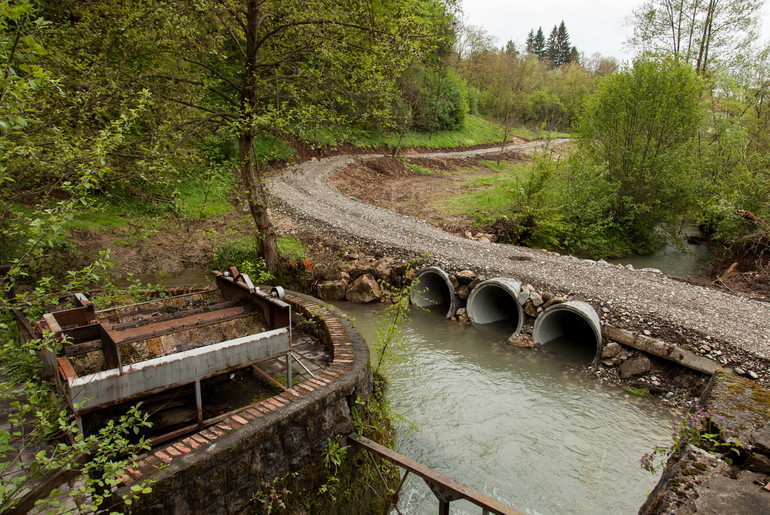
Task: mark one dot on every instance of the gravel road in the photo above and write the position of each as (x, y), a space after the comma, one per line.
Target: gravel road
(634, 299)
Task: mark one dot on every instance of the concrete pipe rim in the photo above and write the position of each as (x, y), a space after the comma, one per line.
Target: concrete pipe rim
(582, 309)
(476, 301)
(447, 294)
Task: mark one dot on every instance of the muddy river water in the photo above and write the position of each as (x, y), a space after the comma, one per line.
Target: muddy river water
(515, 424)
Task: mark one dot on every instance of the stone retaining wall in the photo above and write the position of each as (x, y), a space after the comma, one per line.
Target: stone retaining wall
(219, 469)
(736, 480)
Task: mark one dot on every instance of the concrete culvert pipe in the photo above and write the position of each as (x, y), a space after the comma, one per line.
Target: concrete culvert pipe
(496, 301)
(434, 289)
(572, 328)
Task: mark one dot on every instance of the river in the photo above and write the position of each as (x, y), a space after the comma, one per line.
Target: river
(515, 424)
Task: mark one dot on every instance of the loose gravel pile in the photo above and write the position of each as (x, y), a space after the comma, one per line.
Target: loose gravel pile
(642, 300)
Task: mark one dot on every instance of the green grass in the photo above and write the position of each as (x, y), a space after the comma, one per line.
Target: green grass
(501, 166)
(291, 248)
(269, 148)
(476, 131)
(202, 198)
(491, 198)
(101, 216)
(420, 169)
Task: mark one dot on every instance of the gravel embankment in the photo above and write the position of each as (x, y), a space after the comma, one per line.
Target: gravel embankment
(633, 299)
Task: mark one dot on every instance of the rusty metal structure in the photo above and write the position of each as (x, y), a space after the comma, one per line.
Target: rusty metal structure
(117, 357)
(443, 487)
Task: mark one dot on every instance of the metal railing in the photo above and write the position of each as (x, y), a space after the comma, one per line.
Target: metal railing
(443, 487)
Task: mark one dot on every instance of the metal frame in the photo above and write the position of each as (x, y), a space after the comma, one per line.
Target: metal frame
(443, 487)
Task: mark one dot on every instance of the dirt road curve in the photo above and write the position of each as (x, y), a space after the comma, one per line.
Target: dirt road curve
(634, 299)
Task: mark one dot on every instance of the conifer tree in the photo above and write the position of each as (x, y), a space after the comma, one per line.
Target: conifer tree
(538, 44)
(552, 50)
(564, 49)
(510, 49)
(530, 44)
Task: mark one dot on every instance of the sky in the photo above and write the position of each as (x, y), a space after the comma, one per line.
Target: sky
(593, 25)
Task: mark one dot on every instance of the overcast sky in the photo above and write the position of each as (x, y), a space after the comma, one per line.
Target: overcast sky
(593, 25)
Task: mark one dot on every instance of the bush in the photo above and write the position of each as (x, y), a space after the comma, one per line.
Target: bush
(242, 253)
(440, 102)
(635, 145)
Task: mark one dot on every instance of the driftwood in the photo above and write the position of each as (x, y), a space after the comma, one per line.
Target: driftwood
(731, 271)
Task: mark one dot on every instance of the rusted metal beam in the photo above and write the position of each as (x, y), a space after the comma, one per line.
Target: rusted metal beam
(277, 312)
(76, 316)
(153, 330)
(110, 341)
(25, 329)
(268, 377)
(444, 487)
(155, 318)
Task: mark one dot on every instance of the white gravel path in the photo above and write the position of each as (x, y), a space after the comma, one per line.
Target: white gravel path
(635, 299)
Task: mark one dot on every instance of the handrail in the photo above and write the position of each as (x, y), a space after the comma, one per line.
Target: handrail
(443, 487)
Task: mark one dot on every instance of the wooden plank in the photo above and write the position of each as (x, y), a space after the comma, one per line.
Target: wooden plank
(434, 478)
(156, 375)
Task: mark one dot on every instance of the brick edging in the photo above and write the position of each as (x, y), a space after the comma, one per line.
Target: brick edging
(349, 356)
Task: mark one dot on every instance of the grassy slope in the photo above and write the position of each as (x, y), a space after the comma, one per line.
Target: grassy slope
(477, 131)
(206, 196)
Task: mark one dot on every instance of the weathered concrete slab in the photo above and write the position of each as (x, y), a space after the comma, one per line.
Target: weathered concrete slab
(696, 481)
(117, 385)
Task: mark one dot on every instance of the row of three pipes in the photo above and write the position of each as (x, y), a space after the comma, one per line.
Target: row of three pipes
(571, 324)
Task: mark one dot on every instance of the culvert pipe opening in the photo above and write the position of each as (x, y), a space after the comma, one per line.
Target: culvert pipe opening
(571, 329)
(495, 301)
(433, 290)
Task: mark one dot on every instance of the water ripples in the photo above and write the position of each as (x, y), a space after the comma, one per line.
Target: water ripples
(515, 424)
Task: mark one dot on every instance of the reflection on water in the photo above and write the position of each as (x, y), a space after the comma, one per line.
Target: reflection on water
(515, 424)
(692, 261)
(566, 349)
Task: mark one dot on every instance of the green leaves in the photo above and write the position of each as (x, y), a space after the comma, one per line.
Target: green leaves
(638, 129)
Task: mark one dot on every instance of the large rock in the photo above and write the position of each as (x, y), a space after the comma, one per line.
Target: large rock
(524, 341)
(466, 276)
(364, 289)
(463, 292)
(332, 290)
(637, 366)
(611, 350)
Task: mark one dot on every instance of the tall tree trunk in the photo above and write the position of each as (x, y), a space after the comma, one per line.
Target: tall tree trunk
(250, 175)
(257, 198)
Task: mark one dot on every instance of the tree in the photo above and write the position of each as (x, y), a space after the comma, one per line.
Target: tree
(288, 68)
(510, 49)
(552, 48)
(701, 32)
(564, 50)
(637, 129)
(529, 45)
(538, 43)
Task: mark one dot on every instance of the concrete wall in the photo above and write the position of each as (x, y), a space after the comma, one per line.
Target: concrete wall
(218, 470)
